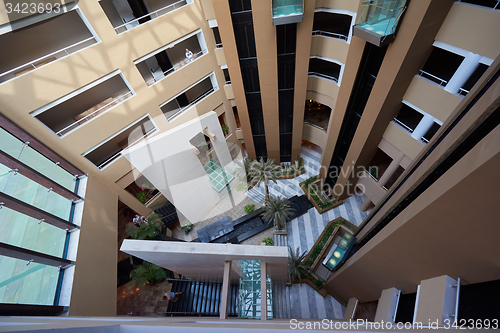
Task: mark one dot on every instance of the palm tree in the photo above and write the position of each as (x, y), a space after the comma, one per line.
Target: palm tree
(242, 168)
(278, 211)
(264, 171)
(296, 267)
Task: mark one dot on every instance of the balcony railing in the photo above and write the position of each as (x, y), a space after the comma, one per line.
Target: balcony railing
(120, 99)
(315, 126)
(329, 34)
(324, 76)
(409, 129)
(433, 78)
(494, 4)
(32, 65)
(219, 45)
(463, 92)
(175, 67)
(153, 15)
(181, 110)
(115, 156)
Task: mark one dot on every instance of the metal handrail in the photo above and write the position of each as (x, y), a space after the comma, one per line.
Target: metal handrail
(191, 104)
(403, 124)
(314, 125)
(441, 81)
(324, 76)
(329, 34)
(219, 45)
(32, 63)
(109, 160)
(496, 7)
(149, 14)
(228, 82)
(84, 119)
(462, 91)
(368, 172)
(176, 67)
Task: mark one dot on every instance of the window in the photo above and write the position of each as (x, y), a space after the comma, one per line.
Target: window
(190, 96)
(325, 69)
(408, 118)
(226, 75)
(74, 110)
(33, 251)
(441, 65)
(110, 150)
(333, 25)
(170, 58)
(128, 14)
(218, 41)
(63, 35)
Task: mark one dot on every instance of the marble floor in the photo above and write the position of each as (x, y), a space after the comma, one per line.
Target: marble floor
(303, 232)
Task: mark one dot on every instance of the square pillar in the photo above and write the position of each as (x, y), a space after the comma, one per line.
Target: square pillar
(226, 282)
(263, 290)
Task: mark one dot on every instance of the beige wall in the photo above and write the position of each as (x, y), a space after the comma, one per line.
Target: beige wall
(95, 293)
(472, 28)
(331, 48)
(315, 135)
(265, 43)
(402, 140)
(221, 59)
(302, 53)
(431, 98)
(351, 5)
(323, 86)
(94, 286)
(223, 14)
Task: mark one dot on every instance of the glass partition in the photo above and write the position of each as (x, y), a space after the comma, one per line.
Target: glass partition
(287, 11)
(380, 18)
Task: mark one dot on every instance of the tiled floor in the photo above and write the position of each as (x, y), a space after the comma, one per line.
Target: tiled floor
(145, 301)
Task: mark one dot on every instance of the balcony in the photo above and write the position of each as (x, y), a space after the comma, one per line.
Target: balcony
(324, 69)
(85, 104)
(125, 15)
(408, 118)
(24, 50)
(189, 97)
(379, 20)
(170, 58)
(287, 11)
(332, 25)
(110, 149)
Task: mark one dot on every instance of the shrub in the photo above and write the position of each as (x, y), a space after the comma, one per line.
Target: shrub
(142, 197)
(269, 241)
(318, 284)
(249, 208)
(147, 272)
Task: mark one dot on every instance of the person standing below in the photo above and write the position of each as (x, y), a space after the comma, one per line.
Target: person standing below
(189, 55)
(172, 295)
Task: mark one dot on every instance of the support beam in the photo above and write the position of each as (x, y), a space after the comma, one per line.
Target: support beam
(225, 290)
(22, 135)
(34, 212)
(36, 176)
(32, 256)
(263, 290)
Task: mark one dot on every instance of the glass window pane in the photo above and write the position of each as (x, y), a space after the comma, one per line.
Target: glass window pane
(24, 189)
(14, 147)
(32, 284)
(20, 230)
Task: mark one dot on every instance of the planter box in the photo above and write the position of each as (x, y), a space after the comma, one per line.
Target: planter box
(335, 231)
(315, 204)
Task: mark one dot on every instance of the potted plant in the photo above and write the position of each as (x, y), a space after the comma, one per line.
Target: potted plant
(249, 208)
(142, 197)
(225, 129)
(147, 272)
(268, 241)
(150, 230)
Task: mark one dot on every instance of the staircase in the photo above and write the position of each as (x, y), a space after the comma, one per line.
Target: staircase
(281, 302)
(280, 240)
(201, 299)
(168, 214)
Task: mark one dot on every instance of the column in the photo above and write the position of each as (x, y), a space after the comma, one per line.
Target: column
(391, 169)
(263, 290)
(364, 206)
(464, 71)
(226, 282)
(423, 126)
